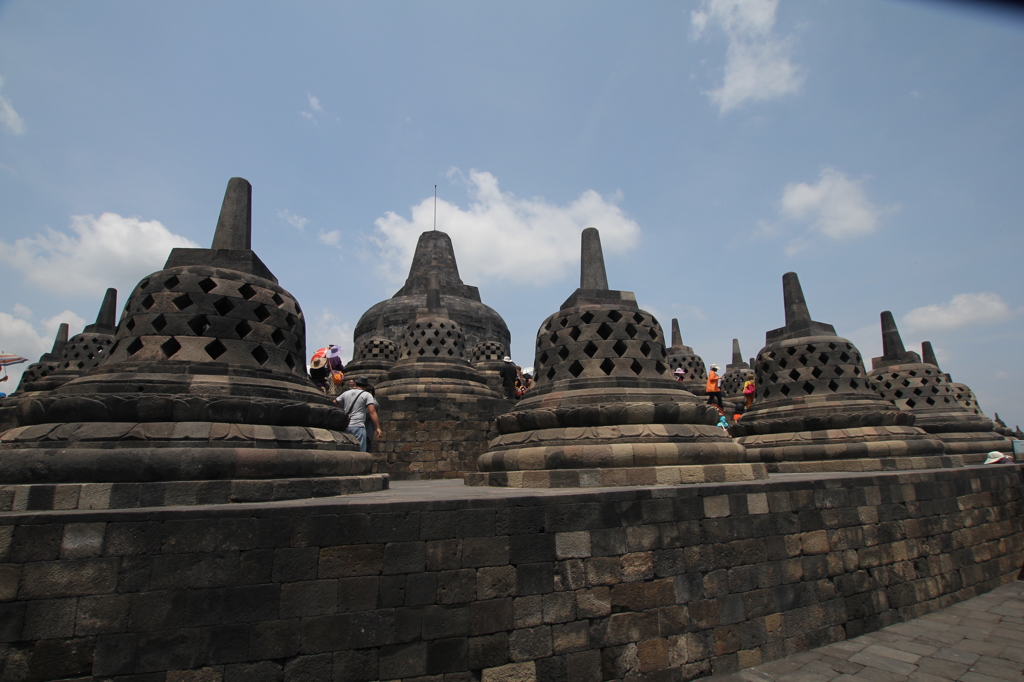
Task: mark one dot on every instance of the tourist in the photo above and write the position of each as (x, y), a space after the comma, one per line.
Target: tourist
(508, 378)
(713, 389)
(318, 373)
(748, 391)
(680, 373)
(360, 405)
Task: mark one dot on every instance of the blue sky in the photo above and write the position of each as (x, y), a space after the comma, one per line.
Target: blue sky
(875, 148)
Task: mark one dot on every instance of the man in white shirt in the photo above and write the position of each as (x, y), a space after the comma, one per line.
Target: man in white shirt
(360, 405)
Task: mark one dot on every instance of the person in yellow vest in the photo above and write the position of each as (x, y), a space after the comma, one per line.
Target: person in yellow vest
(748, 391)
(713, 389)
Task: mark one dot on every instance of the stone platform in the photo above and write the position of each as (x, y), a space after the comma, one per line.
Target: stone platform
(439, 581)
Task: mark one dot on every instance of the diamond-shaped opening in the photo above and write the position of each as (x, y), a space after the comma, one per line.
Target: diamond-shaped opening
(833, 386)
(171, 282)
(223, 306)
(784, 389)
(782, 363)
(924, 381)
(590, 349)
(832, 346)
(261, 312)
(773, 378)
(791, 351)
(645, 348)
(766, 392)
(816, 372)
(242, 329)
(631, 331)
(215, 349)
(147, 302)
(170, 347)
(278, 337)
(563, 321)
(638, 318)
(839, 371)
(575, 368)
(935, 390)
(844, 357)
(898, 394)
(620, 348)
(587, 317)
(912, 373)
(130, 324)
(574, 333)
(199, 324)
(288, 360)
(159, 322)
(808, 387)
(563, 352)
(553, 339)
(134, 347)
(918, 391)
(614, 316)
(207, 285)
(810, 348)
(551, 373)
(542, 358)
(182, 302)
(794, 374)
(607, 366)
(604, 331)
(802, 359)
(823, 358)
(636, 367)
(247, 291)
(276, 298)
(930, 401)
(910, 403)
(547, 327)
(856, 370)
(905, 383)
(260, 355)
(660, 367)
(143, 284)
(854, 385)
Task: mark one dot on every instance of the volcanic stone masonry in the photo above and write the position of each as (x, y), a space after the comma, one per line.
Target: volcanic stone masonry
(605, 409)
(202, 397)
(815, 408)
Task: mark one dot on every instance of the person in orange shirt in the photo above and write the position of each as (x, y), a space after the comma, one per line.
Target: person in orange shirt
(713, 390)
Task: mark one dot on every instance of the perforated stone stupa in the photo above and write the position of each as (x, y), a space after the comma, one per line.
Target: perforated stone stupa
(203, 397)
(962, 393)
(815, 407)
(605, 409)
(902, 378)
(434, 255)
(736, 373)
(374, 355)
(679, 356)
(48, 363)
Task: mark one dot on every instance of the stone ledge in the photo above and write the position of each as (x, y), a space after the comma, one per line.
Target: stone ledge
(623, 476)
(87, 496)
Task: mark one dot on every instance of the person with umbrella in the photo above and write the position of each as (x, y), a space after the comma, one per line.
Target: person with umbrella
(9, 359)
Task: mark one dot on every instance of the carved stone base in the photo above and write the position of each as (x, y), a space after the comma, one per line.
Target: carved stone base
(619, 476)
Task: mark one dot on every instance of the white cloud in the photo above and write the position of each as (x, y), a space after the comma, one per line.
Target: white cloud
(314, 102)
(8, 116)
(108, 251)
(21, 337)
(500, 237)
(293, 219)
(757, 63)
(836, 206)
(331, 238)
(963, 310)
(22, 311)
(326, 329)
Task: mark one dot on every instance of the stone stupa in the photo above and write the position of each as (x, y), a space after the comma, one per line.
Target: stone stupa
(605, 409)
(678, 356)
(203, 397)
(902, 378)
(48, 363)
(374, 355)
(736, 373)
(815, 408)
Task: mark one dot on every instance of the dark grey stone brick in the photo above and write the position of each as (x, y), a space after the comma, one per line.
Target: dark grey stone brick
(488, 551)
(114, 655)
(536, 578)
(308, 598)
(404, 557)
(421, 589)
(356, 666)
(295, 563)
(102, 615)
(403, 660)
(446, 621)
(492, 615)
(276, 638)
(447, 655)
(487, 652)
(314, 668)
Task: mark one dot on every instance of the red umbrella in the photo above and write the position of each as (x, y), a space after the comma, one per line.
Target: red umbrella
(319, 354)
(11, 359)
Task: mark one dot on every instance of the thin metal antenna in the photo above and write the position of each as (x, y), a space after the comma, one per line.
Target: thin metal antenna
(435, 208)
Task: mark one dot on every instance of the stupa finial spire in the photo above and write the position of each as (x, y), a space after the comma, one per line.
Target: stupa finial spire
(928, 353)
(234, 227)
(677, 338)
(737, 356)
(60, 340)
(592, 272)
(793, 296)
(106, 319)
(892, 344)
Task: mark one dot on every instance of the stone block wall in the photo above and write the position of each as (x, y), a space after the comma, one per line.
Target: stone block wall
(432, 437)
(668, 584)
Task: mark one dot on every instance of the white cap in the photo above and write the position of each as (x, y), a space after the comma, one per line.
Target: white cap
(507, 359)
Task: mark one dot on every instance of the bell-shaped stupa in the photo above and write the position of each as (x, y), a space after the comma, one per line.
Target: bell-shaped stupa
(432, 357)
(736, 373)
(203, 396)
(374, 355)
(605, 409)
(815, 408)
(48, 363)
(434, 255)
(83, 352)
(487, 357)
(677, 356)
(962, 393)
(902, 378)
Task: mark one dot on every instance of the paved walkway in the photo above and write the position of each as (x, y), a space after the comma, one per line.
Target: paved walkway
(978, 640)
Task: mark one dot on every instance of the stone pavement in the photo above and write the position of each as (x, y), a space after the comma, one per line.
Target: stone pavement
(978, 640)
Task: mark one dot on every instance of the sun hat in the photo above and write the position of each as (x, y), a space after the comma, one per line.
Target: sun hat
(318, 363)
(507, 359)
(679, 370)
